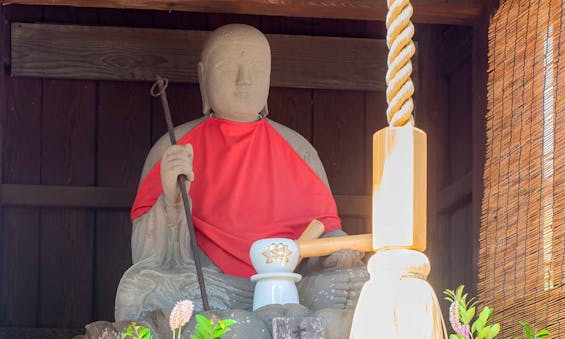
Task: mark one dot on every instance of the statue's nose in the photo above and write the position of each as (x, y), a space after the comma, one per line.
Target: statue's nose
(243, 75)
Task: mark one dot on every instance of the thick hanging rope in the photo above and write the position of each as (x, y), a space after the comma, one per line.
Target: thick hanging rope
(400, 87)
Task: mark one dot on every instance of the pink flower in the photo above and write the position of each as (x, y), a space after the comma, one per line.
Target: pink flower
(180, 314)
(458, 327)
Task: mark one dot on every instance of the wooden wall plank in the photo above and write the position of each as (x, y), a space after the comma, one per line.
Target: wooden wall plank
(479, 78)
(3, 77)
(460, 247)
(457, 193)
(338, 136)
(35, 333)
(431, 115)
(293, 108)
(123, 142)
(67, 235)
(290, 106)
(102, 53)
(460, 121)
(124, 139)
(458, 13)
(185, 100)
(67, 158)
(19, 227)
(185, 103)
(455, 198)
(458, 46)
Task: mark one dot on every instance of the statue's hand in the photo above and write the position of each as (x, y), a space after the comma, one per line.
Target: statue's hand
(332, 288)
(342, 259)
(177, 160)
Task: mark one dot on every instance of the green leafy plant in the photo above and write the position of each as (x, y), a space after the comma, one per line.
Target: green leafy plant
(136, 331)
(211, 328)
(531, 333)
(461, 314)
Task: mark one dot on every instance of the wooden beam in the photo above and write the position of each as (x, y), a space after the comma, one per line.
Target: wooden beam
(122, 197)
(131, 54)
(432, 12)
(453, 195)
(66, 196)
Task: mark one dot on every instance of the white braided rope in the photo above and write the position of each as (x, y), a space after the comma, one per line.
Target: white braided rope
(400, 87)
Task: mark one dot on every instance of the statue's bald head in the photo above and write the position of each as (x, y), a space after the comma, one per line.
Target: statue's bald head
(233, 34)
(235, 72)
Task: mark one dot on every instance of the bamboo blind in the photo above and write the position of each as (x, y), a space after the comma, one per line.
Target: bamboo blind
(522, 236)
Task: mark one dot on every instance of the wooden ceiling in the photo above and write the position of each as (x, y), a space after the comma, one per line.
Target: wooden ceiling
(456, 12)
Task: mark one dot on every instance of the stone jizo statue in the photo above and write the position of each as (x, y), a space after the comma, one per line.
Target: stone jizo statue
(250, 178)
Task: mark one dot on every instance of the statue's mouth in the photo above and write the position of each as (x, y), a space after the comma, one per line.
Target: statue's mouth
(242, 93)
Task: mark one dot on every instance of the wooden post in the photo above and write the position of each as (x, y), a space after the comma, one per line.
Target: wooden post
(399, 188)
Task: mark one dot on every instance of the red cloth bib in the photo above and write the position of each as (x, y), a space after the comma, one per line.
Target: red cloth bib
(249, 184)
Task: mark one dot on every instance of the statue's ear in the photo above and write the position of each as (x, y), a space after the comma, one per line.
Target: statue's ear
(205, 103)
(265, 111)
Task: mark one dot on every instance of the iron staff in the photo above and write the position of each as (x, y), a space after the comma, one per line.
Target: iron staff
(162, 83)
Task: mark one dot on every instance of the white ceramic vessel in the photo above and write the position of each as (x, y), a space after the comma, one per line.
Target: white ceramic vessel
(275, 288)
(274, 259)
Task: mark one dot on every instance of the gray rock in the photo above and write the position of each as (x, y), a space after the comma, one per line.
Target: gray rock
(337, 323)
(268, 312)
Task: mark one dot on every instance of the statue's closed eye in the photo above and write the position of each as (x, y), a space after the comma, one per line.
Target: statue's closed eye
(260, 66)
(226, 66)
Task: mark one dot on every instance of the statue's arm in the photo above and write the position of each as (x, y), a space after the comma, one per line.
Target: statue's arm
(148, 238)
(149, 230)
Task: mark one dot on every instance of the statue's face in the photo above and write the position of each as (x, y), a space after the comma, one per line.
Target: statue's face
(236, 79)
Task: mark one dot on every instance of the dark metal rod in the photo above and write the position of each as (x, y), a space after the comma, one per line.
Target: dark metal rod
(162, 84)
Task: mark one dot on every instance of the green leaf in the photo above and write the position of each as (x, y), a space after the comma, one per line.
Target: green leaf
(493, 331)
(202, 331)
(470, 315)
(459, 292)
(466, 315)
(218, 333)
(485, 314)
(204, 322)
(229, 322)
(202, 319)
(476, 325)
(481, 321)
(483, 333)
(456, 336)
(542, 334)
(528, 331)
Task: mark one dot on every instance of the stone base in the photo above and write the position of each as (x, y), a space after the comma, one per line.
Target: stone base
(257, 324)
